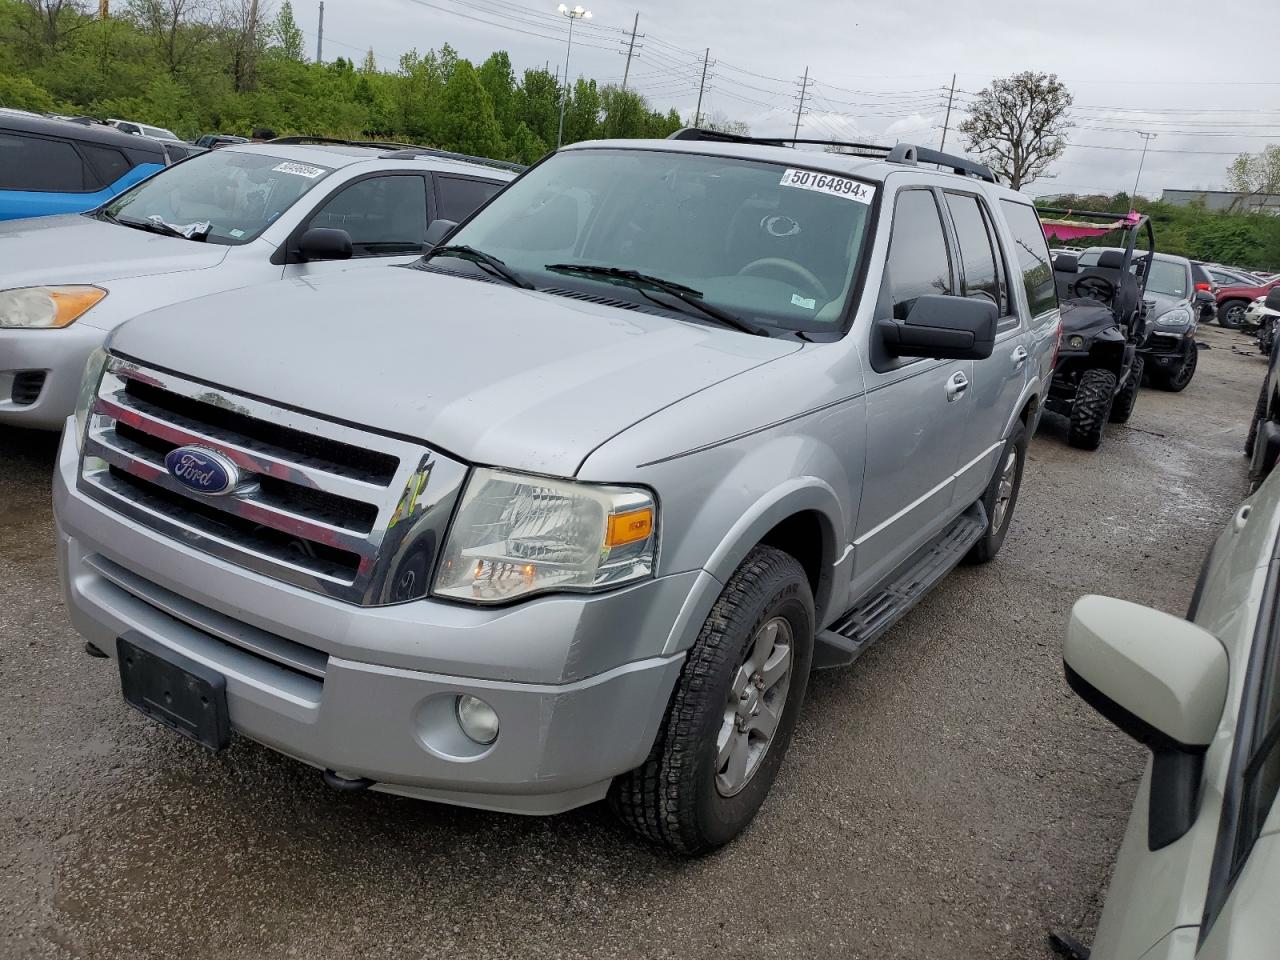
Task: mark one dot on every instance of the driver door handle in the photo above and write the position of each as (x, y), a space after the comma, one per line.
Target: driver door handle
(1019, 355)
(956, 386)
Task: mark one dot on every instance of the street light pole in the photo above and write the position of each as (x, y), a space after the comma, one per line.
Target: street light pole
(577, 13)
(1146, 139)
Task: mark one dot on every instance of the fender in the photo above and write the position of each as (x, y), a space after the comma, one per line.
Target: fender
(1032, 391)
(797, 495)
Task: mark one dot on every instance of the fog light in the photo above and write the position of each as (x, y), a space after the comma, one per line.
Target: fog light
(478, 720)
(1075, 343)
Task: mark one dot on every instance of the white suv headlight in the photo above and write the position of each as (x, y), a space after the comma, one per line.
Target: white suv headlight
(44, 308)
(1177, 317)
(516, 535)
(93, 368)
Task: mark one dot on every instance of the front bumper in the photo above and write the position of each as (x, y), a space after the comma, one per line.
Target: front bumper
(369, 692)
(1168, 349)
(60, 356)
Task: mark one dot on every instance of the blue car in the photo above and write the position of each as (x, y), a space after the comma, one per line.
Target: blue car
(58, 166)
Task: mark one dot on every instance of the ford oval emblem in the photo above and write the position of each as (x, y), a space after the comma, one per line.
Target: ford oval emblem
(202, 470)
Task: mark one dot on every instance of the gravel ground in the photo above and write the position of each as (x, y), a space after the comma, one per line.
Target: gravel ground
(945, 797)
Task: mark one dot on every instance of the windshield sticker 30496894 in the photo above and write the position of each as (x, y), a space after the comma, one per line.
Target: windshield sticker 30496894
(828, 183)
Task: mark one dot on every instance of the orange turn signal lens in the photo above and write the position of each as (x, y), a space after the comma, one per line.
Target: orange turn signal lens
(629, 527)
(70, 303)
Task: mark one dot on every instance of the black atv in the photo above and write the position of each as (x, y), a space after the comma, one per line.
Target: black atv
(1099, 369)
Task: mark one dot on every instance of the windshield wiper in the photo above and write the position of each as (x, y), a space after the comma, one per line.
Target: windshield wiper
(155, 226)
(485, 260)
(685, 294)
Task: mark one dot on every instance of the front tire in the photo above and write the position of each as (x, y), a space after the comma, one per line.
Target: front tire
(1122, 407)
(1259, 414)
(1178, 379)
(1001, 497)
(1091, 409)
(732, 714)
(1231, 314)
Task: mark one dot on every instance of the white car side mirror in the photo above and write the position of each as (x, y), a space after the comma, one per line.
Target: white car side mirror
(1163, 681)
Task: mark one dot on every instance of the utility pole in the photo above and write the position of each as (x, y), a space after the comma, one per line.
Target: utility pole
(947, 122)
(804, 89)
(697, 114)
(320, 36)
(631, 49)
(1146, 139)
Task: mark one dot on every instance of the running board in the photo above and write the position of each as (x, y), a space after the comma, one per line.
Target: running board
(851, 634)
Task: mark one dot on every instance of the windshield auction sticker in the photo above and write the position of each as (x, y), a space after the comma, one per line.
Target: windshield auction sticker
(827, 183)
(298, 169)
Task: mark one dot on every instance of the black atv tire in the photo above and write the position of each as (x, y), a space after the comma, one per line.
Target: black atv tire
(993, 537)
(1122, 408)
(1267, 336)
(673, 799)
(1259, 414)
(1178, 379)
(1091, 409)
(1231, 313)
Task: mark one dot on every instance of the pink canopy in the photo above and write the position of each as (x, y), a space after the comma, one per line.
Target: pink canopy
(1067, 229)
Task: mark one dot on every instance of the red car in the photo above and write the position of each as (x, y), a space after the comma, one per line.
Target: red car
(1234, 298)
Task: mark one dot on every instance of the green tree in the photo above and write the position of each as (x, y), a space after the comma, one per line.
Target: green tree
(467, 123)
(23, 93)
(499, 81)
(582, 112)
(525, 145)
(624, 113)
(287, 34)
(538, 103)
(1255, 174)
(1018, 125)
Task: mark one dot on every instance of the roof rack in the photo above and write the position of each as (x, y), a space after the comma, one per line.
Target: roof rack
(339, 142)
(904, 153)
(413, 153)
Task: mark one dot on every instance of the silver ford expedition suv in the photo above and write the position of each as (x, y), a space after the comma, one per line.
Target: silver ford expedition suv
(570, 508)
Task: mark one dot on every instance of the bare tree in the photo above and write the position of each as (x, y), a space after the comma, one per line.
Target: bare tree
(177, 27)
(51, 20)
(1255, 174)
(246, 23)
(1018, 125)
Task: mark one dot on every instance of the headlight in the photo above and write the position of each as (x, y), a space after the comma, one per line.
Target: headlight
(1075, 342)
(516, 535)
(93, 368)
(44, 308)
(1177, 317)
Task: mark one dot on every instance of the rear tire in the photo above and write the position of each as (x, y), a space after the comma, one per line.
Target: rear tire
(1259, 414)
(1122, 407)
(1092, 406)
(1001, 497)
(688, 796)
(1231, 313)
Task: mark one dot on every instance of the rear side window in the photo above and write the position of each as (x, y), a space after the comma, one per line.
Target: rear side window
(37, 164)
(918, 261)
(457, 198)
(1032, 255)
(384, 216)
(979, 255)
(110, 165)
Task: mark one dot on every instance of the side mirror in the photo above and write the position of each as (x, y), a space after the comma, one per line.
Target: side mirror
(437, 232)
(1273, 299)
(324, 243)
(1204, 296)
(942, 327)
(1161, 680)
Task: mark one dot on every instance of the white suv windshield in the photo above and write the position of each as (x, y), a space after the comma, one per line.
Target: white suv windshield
(237, 194)
(762, 241)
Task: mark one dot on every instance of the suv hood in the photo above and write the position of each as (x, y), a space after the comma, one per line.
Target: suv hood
(78, 249)
(490, 373)
(1163, 302)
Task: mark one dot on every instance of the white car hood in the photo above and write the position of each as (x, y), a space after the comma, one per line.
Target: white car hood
(490, 373)
(79, 249)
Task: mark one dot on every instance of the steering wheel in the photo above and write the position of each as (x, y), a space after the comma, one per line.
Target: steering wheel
(1099, 288)
(787, 266)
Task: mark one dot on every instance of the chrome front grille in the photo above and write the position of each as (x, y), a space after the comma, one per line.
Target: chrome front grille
(349, 513)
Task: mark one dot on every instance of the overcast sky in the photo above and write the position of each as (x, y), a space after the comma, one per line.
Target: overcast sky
(881, 71)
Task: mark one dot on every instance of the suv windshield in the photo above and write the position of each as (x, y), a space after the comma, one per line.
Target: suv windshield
(237, 194)
(760, 241)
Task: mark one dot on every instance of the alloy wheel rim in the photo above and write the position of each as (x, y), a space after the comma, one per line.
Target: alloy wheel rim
(1004, 490)
(753, 709)
(1188, 367)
